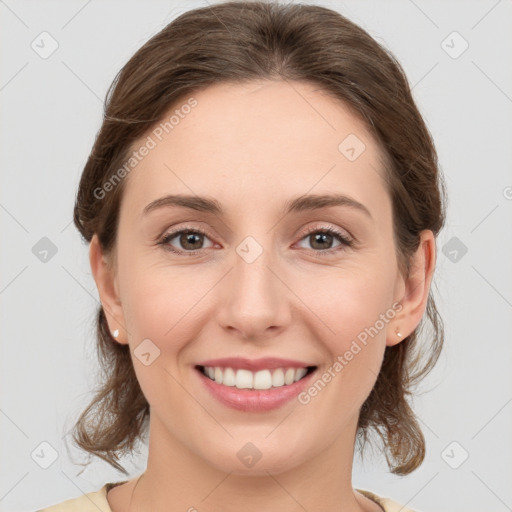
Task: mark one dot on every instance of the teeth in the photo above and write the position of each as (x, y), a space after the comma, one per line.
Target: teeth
(278, 378)
(229, 377)
(263, 379)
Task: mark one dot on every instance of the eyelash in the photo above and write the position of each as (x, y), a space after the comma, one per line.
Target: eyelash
(345, 241)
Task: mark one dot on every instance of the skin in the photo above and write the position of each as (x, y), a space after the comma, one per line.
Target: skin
(253, 147)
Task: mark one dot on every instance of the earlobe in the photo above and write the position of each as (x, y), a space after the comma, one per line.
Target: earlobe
(105, 280)
(417, 288)
(396, 338)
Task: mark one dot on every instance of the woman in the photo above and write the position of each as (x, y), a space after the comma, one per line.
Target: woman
(262, 204)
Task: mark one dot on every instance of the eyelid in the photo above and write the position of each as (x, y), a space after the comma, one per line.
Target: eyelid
(306, 231)
(185, 227)
(339, 231)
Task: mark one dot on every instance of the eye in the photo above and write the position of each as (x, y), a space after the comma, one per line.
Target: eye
(190, 240)
(321, 238)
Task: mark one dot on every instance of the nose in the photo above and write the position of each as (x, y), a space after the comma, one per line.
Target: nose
(254, 300)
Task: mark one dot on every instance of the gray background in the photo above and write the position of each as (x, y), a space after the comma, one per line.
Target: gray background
(51, 110)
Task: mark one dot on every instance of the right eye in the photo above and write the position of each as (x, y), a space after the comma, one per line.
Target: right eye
(189, 239)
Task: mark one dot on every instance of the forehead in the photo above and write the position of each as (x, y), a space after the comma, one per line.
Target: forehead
(244, 142)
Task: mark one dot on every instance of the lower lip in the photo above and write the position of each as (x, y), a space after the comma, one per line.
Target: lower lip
(254, 400)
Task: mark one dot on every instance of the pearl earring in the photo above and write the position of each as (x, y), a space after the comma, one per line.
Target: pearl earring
(115, 333)
(399, 334)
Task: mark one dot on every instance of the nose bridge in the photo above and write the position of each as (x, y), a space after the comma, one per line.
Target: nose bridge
(252, 265)
(254, 299)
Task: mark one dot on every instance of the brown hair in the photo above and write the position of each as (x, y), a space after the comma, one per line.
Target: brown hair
(237, 42)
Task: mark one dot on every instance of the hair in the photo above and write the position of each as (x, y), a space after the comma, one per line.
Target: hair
(236, 42)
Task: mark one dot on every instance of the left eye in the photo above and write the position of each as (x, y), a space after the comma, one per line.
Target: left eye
(324, 237)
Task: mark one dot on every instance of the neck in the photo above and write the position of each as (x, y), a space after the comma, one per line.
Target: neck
(177, 479)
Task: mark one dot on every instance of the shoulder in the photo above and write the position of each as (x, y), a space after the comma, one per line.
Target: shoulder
(91, 502)
(387, 504)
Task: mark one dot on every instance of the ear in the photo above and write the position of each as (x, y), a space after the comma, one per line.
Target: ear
(106, 282)
(412, 292)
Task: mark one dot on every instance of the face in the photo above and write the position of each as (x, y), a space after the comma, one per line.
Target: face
(257, 279)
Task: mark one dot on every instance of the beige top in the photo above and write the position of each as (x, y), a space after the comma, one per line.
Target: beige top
(97, 502)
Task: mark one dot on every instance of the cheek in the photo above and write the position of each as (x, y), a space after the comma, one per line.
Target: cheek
(349, 303)
(351, 316)
(160, 326)
(157, 297)
(163, 313)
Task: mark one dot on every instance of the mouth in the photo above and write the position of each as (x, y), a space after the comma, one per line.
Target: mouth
(255, 380)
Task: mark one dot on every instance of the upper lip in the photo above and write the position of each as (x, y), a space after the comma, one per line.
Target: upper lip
(240, 363)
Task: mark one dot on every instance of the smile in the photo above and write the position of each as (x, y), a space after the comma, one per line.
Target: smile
(254, 392)
(262, 379)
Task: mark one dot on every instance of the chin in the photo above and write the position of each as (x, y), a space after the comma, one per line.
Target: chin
(248, 460)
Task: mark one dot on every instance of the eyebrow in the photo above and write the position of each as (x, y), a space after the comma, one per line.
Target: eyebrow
(295, 205)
